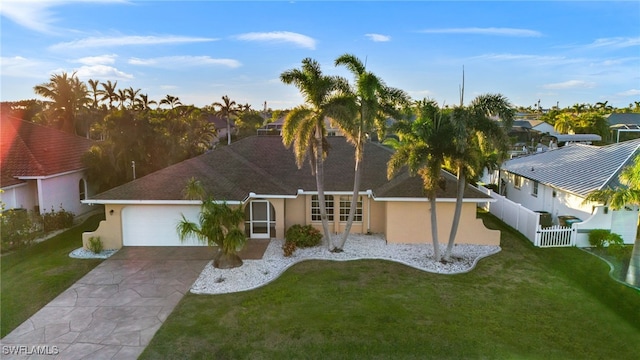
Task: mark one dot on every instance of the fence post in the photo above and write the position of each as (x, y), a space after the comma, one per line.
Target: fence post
(537, 237)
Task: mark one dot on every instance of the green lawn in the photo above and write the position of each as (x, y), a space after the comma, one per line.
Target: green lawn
(33, 276)
(521, 303)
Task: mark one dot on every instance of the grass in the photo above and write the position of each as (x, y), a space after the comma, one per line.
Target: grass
(521, 303)
(33, 276)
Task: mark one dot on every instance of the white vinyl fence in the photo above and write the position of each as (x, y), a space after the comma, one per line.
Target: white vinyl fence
(555, 236)
(527, 222)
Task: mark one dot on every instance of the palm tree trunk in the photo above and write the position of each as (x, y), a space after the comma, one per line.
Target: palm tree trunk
(456, 214)
(434, 227)
(320, 186)
(633, 274)
(353, 207)
(228, 131)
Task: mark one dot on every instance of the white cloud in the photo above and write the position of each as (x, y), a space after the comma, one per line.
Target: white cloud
(378, 37)
(18, 66)
(36, 14)
(110, 41)
(630, 92)
(486, 31)
(281, 37)
(102, 72)
(571, 84)
(615, 42)
(97, 60)
(184, 61)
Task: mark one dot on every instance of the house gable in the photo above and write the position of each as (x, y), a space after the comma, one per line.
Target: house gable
(30, 150)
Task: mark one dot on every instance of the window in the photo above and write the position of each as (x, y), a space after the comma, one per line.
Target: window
(315, 207)
(517, 181)
(534, 190)
(345, 205)
(82, 189)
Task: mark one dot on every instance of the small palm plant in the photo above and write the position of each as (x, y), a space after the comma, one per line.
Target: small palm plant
(219, 225)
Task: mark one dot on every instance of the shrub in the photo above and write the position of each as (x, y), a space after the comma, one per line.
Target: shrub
(598, 237)
(303, 236)
(289, 248)
(95, 245)
(18, 228)
(56, 220)
(614, 243)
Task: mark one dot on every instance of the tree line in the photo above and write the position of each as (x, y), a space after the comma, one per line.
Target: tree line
(137, 135)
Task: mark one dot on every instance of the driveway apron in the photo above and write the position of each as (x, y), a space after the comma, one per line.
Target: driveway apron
(114, 310)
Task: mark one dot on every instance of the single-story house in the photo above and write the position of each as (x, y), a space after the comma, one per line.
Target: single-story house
(558, 181)
(220, 124)
(41, 168)
(624, 126)
(259, 174)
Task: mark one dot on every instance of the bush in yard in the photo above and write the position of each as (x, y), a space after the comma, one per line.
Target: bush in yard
(95, 245)
(598, 237)
(601, 238)
(56, 220)
(289, 248)
(303, 236)
(17, 229)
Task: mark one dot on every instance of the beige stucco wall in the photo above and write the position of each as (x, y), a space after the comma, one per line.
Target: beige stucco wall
(296, 212)
(109, 230)
(410, 223)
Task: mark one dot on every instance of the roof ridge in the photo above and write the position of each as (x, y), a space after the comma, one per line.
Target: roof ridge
(620, 167)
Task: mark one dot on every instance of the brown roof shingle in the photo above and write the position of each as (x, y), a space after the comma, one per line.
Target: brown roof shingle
(262, 165)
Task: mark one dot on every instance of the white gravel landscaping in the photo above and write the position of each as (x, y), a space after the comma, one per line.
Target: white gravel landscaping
(256, 273)
(83, 253)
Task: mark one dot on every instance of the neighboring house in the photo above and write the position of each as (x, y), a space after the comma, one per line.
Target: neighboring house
(41, 168)
(624, 126)
(221, 128)
(558, 181)
(260, 174)
(275, 128)
(542, 127)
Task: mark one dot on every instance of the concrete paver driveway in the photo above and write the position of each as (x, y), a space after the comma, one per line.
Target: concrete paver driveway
(114, 310)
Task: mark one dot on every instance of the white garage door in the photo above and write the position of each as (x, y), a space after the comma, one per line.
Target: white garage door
(155, 225)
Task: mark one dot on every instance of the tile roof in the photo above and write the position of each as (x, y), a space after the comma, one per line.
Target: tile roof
(578, 169)
(262, 165)
(28, 149)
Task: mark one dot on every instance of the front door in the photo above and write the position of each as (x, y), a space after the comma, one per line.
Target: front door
(261, 219)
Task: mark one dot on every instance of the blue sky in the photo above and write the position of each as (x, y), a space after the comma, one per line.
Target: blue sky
(557, 52)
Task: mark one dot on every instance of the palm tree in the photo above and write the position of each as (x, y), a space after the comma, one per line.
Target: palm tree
(122, 97)
(304, 126)
(473, 125)
(422, 148)
(172, 101)
(131, 95)
(374, 101)
(618, 198)
(94, 93)
(142, 102)
(226, 109)
(68, 95)
(563, 123)
(219, 225)
(109, 92)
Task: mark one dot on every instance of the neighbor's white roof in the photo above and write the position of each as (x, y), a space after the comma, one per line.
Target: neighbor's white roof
(577, 168)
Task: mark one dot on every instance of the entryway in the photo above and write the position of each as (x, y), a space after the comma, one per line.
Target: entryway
(261, 221)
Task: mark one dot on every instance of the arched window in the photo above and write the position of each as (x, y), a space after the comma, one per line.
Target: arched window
(82, 189)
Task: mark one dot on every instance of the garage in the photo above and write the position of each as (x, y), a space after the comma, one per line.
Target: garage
(155, 225)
